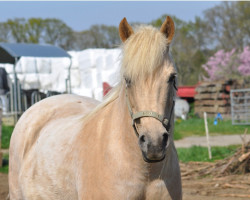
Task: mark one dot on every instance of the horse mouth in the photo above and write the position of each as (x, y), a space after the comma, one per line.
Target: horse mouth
(146, 159)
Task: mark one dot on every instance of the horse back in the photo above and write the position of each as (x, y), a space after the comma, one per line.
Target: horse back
(28, 127)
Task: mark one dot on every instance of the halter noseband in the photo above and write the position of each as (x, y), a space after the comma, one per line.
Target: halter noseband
(140, 114)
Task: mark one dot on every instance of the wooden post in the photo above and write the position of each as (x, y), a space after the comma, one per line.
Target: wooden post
(207, 136)
(1, 154)
(1, 127)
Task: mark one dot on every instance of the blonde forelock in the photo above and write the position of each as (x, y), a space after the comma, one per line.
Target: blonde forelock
(143, 53)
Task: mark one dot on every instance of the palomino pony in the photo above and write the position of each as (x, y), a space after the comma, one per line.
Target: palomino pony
(123, 149)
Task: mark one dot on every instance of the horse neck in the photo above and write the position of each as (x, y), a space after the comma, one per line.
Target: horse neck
(124, 130)
(121, 112)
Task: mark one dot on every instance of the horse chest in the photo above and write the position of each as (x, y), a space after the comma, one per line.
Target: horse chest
(130, 190)
(116, 180)
(122, 190)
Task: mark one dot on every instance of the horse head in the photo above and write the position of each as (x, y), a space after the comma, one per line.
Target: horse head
(149, 83)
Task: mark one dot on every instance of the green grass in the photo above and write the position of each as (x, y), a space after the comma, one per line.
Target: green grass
(5, 168)
(6, 134)
(195, 126)
(197, 153)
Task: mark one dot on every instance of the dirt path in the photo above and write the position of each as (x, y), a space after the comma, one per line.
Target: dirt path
(228, 187)
(231, 187)
(3, 186)
(220, 140)
(4, 151)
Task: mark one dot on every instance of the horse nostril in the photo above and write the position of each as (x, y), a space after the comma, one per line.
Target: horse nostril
(142, 139)
(165, 139)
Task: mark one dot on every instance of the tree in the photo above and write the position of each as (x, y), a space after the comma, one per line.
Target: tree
(37, 30)
(244, 60)
(83, 40)
(244, 20)
(227, 25)
(233, 63)
(18, 29)
(98, 36)
(4, 32)
(34, 28)
(56, 32)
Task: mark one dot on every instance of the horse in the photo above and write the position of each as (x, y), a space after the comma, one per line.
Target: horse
(71, 147)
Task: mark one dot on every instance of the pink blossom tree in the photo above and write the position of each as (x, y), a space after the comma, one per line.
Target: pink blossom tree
(244, 67)
(225, 65)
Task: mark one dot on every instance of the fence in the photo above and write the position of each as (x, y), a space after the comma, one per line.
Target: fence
(19, 100)
(240, 106)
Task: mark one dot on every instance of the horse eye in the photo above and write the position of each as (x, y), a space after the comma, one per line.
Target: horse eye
(171, 78)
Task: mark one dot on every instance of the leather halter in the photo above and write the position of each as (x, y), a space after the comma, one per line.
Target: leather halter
(165, 122)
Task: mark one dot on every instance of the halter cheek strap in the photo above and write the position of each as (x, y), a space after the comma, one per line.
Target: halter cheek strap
(141, 114)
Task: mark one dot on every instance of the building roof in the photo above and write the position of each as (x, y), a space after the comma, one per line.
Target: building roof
(186, 91)
(11, 52)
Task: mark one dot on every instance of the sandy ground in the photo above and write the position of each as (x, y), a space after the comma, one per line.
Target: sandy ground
(3, 186)
(227, 187)
(223, 188)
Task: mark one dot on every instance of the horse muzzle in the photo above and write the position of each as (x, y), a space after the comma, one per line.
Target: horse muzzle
(153, 151)
(152, 160)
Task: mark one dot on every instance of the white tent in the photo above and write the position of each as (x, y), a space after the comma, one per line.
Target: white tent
(89, 69)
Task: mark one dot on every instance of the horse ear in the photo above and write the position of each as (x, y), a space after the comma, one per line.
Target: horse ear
(167, 28)
(125, 30)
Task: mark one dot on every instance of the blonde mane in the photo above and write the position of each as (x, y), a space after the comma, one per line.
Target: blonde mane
(110, 97)
(142, 54)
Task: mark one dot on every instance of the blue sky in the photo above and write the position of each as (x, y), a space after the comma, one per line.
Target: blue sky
(81, 15)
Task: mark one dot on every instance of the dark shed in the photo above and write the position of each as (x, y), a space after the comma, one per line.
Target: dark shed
(12, 52)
